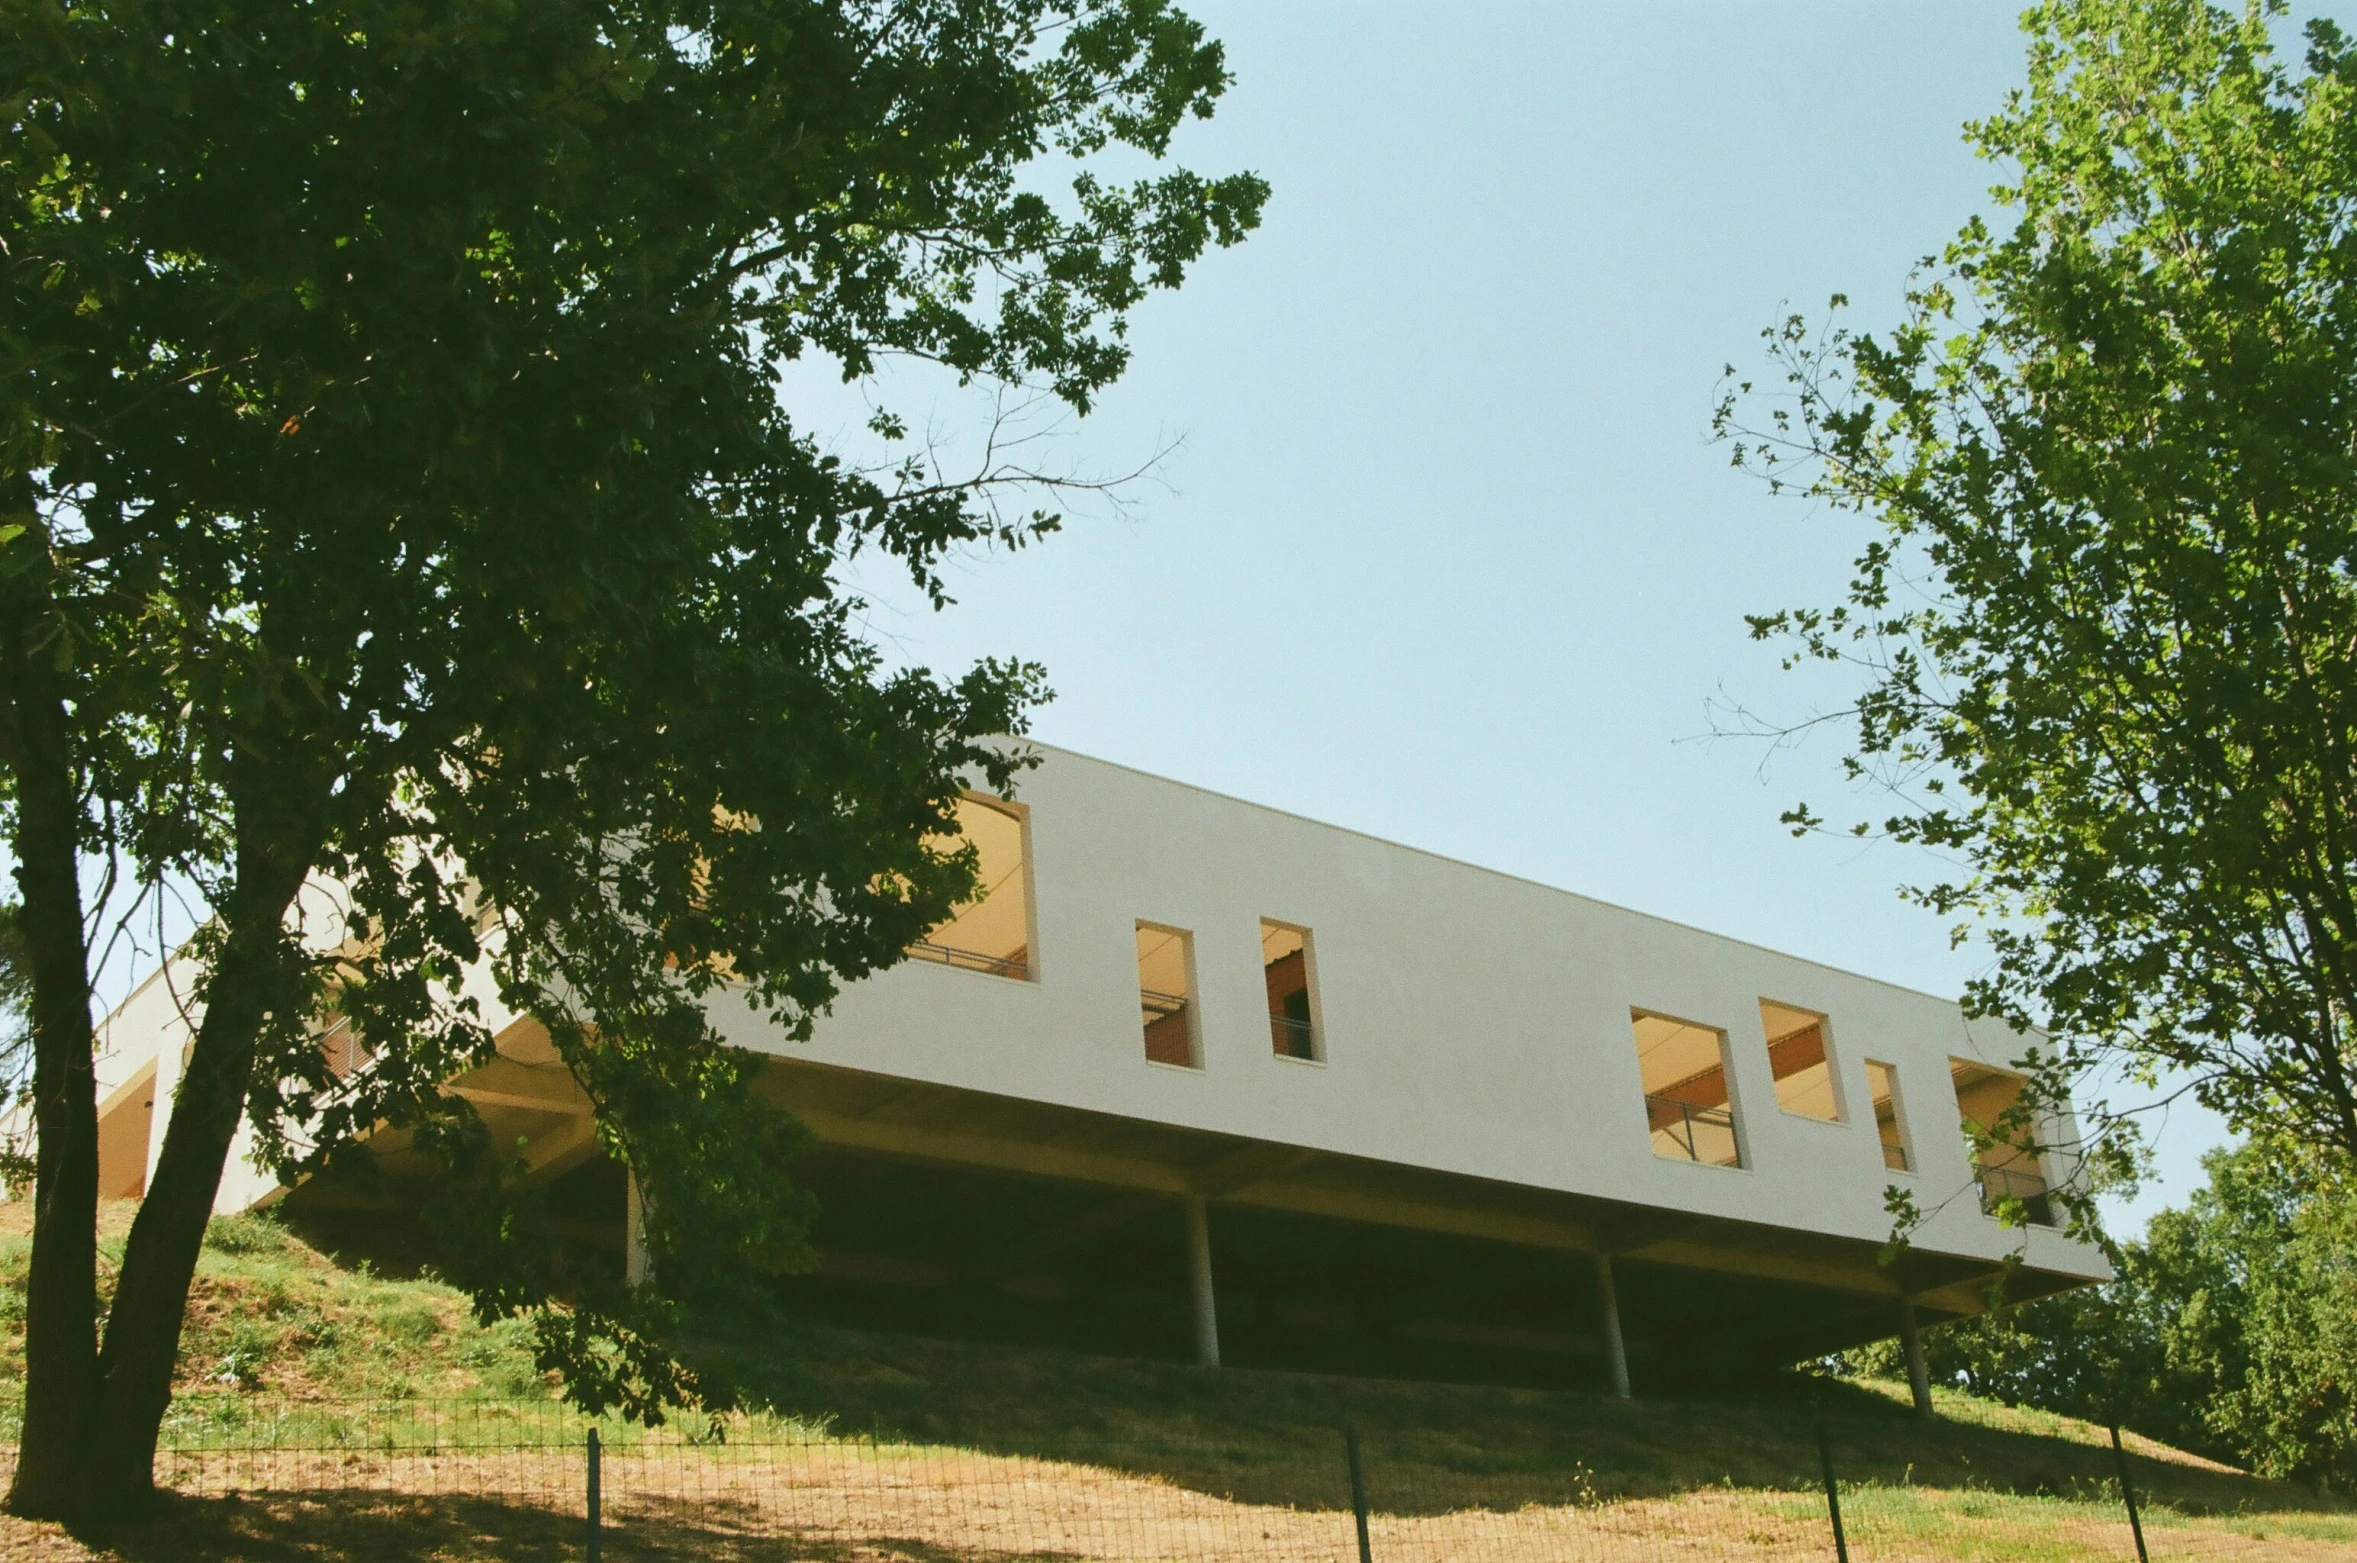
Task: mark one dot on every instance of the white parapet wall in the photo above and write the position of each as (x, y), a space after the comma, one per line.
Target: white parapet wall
(1469, 1022)
(1348, 997)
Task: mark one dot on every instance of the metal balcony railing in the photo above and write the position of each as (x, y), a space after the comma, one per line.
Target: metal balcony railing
(1169, 1037)
(1999, 1184)
(971, 960)
(1292, 1038)
(1160, 1006)
(1703, 1134)
(342, 1047)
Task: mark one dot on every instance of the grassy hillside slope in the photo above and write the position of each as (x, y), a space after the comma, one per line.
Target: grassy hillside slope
(271, 1317)
(281, 1337)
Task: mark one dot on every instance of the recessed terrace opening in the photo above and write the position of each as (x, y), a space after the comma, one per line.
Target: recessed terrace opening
(2009, 1168)
(1284, 963)
(992, 932)
(1688, 1109)
(1882, 1082)
(1166, 996)
(125, 1121)
(1801, 1059)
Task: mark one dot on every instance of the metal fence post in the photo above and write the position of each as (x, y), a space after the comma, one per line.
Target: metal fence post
(2128, 1495)
(1358, 1490)
(593, 1496)
(1841, 1546)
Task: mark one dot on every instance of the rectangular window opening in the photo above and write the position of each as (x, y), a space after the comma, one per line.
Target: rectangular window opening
(1802, 1061)
(992, 932)
(1166, 996)
(1882, 1082)
(1284, 964)
(1689, 1109)
(2008, 1169)
(341, 1046)
(126, 1124)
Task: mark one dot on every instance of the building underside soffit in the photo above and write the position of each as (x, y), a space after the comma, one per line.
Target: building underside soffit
(527, 1095)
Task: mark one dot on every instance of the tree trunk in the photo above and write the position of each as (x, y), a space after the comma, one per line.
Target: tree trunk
(61, 1304)
(247, 984)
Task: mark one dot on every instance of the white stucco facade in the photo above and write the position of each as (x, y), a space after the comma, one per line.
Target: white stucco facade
(1472, 1023)
(1476, 1074)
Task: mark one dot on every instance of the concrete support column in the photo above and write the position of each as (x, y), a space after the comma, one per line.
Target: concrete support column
(634, 1235)
(1616, 1355)
(1918, 1375)
(1199, 1281)
(170, 1059)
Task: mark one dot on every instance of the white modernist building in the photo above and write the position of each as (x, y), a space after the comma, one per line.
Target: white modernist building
(1196, 1072)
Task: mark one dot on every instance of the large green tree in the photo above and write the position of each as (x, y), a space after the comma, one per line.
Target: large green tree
(395, 498)
(2231, 1330)
(2105, 627)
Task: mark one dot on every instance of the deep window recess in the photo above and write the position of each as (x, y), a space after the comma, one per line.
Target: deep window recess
(1688, 1109)
(1883, 1082)
(1284, 962)
(2009, 1168)
(992, 932)
(1800, 1059)
(1166, 996)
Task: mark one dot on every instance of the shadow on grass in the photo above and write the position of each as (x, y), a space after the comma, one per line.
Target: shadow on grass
(1276, 1438)
(375, 1527)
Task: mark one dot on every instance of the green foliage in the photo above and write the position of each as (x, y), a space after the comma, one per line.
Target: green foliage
(286, 1323)
(2107, 631)
(413, 1324)
(2231, 1331)
(16, 1052)
(16, 992)
(394, 489)
(247, 1233)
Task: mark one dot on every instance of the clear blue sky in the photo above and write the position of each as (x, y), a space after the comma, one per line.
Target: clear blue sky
(1445, 554)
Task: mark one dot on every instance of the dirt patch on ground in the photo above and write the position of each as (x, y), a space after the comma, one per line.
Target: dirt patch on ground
(856, 1504)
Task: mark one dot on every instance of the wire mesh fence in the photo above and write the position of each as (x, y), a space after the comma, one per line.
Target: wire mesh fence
(497, 1480)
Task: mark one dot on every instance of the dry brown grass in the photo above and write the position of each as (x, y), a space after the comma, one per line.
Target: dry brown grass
(856, 1504)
